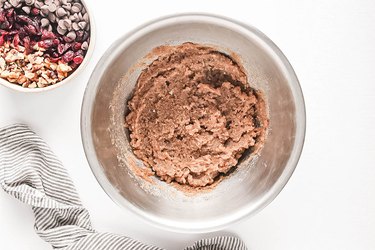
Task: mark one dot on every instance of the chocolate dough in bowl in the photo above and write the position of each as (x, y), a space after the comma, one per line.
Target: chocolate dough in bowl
(207, 204)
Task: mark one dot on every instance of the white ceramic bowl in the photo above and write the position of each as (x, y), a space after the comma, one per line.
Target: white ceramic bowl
(72, 76)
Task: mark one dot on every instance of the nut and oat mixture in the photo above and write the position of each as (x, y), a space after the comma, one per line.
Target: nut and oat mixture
(193, 114)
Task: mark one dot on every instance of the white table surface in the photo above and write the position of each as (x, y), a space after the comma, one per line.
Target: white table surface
(329, 203)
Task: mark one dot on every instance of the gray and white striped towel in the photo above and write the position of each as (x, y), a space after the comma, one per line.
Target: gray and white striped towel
(30, 172)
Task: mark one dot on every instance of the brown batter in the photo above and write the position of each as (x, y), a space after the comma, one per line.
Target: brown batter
(193, 114)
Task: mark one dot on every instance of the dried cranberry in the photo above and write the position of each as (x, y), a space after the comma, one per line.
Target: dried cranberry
(53, 49)
(78, 59)
(68, 56)
(3, 32)
(11, 22)
(79, 34)
(26, 44)
(22, 33)
(46, 43)
(85, 36)
(5, 25)
(76, 46)
(12, 33)
(16, 40)
(32, 43)
(26, 41)
(17, 26)
(68, 39)
(74, 65)
(10, 13)
(54, 60)
(34, 11)
(2, 16)
(1, 40)
(56, 42)
(24, 19)
(47, 35)
(31, 30)
(68, 46)
(55, 55)
(60, 49)
(79, 53)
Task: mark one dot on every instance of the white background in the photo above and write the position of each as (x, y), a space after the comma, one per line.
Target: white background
(329, 202)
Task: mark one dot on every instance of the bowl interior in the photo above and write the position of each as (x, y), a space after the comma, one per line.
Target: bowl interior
(256, 181)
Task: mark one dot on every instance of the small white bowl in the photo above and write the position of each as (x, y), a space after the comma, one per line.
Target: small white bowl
(72, 76)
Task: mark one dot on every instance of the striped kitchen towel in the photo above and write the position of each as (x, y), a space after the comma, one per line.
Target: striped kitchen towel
(30, 172)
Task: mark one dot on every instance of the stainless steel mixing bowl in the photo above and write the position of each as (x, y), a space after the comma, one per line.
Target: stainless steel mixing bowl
(257, 180)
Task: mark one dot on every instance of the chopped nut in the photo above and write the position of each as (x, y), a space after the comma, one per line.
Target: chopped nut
(33, 85)
(21, 48)
(14, 55)
(40, 85)
(22, 79)
(2, 64)
(42, 81)
(13, 75)
(29, 75)
(63, 68)
(53, 66)
(30, 70)
(38, 60)
(5, 74)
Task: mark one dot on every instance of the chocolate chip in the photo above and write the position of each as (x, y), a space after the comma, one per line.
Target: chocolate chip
(52, 17)
(14, 3)
(71, 35)
(44, 10)
(86, 17)
(61, 12)
(82, 25)
(61, 24)
(44, 22)
(74, 17)
(75, 9)
(85, 36)
(67, 24)
(26, 9)
(38, 4)
(85, 46)
(60, 30)
(80, 17)
(29, 2)
(7, 5)
(52, 7)
(75, 26)
(78, 6)
(67, 6)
